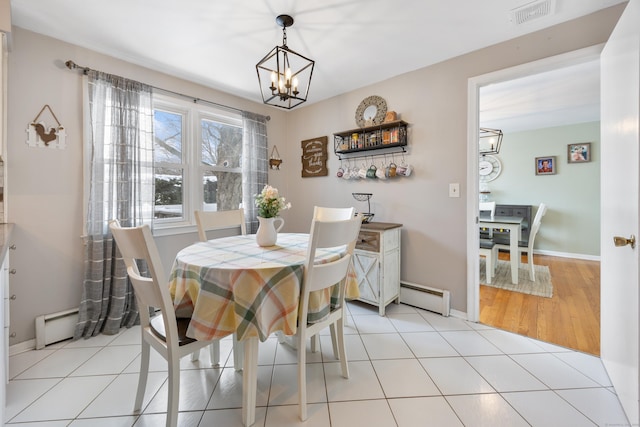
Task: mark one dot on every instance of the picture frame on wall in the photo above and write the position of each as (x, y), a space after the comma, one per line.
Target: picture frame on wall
(579, 153)
(546, 165)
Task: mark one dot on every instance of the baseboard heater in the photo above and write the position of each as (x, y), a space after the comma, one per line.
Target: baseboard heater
(55, 327)
(425, 297)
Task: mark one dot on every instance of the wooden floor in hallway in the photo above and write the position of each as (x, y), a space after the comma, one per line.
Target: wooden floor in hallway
(571, 318)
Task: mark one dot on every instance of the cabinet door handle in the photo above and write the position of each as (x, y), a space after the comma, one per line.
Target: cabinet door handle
(13, 247)
(12, 271)
(13, 297)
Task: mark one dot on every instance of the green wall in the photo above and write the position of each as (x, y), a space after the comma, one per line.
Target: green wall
(572, 223)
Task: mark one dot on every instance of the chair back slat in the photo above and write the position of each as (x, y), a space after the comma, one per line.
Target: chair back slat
(333, 214)
(137, 244)
(216, 220)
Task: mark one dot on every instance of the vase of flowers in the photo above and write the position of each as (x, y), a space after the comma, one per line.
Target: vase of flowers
(269, 204)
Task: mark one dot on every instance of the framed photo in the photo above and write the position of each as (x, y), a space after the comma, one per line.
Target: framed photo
(579, 153)
(546, 165)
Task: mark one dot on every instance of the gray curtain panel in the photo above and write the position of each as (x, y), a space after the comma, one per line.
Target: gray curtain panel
(119, 174)
(254, 165)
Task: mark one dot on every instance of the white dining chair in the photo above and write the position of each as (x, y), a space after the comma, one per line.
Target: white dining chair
(316, 277)
(165, 333)
(216, 220)
(489, 250)
(528, 246)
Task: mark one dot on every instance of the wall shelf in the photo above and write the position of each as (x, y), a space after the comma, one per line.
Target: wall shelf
(381, 139)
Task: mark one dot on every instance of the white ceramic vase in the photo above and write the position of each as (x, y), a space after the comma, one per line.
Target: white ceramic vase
(267, 233)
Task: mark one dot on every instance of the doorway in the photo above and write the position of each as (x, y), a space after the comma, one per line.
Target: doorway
(495, 82)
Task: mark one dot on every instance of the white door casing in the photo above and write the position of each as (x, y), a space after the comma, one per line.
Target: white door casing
(620, 183)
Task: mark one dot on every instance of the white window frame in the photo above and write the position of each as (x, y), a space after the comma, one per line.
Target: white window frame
(193, 168)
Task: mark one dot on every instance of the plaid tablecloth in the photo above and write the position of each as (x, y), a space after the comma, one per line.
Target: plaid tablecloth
(233, 285)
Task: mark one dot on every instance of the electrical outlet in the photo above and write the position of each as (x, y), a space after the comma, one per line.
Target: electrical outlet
(454, 190)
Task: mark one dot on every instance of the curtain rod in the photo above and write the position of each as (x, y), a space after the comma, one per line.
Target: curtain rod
(73, 66)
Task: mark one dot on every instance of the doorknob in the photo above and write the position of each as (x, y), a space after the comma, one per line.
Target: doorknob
(622, 241)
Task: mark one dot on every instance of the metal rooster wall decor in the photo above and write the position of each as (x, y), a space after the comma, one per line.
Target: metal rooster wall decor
(39, 135)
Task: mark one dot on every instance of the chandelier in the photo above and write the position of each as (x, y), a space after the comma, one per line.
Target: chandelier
(490, 141)
(284, 75)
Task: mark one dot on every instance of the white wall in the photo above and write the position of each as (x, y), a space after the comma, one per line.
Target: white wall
(44, 192)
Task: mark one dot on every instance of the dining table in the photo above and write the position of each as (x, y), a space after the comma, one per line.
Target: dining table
(514, 225)
(234, 286)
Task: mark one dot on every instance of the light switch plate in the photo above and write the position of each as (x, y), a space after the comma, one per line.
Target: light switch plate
(454, 190)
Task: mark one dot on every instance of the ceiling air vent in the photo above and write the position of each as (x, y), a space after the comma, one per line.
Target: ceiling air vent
(532, 11)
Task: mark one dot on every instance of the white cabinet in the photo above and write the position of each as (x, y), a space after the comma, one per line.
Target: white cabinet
(5, 292)
(377, 264)
(4, 316)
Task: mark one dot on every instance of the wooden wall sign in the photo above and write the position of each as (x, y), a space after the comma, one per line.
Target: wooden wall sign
(314, 157)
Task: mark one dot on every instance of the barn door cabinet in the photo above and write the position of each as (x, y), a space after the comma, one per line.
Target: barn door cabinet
(376, 261)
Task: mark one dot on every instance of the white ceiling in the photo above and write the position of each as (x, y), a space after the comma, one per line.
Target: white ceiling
(563, 96)
(354, 42)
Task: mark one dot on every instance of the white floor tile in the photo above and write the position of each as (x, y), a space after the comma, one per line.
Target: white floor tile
(287, 416)
(284, 384)
(119, 397)
(362, 383)
(386, 346)
(109, 360)
(441, 323)
(285, 354)
(370, 413)
(470, 343)
(228, 391)
(598, 404)
(373, 324)
(404, 378)
(354, 348)
(486, 410)
(185, 419)
(128, 336)
(60, 364)
(66, 399)
(105, 422)
(555, 373)
(511, 343)
(590, 366)
(504, 374)
(226, 418)
(453, 375)
(21, 393)
(421, 411)
(196, 388)
(546, 408)
(23, 361)
(359, 307)
(411, 322)
(428, 344)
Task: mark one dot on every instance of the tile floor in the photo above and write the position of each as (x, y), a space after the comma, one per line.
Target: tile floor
(410, 368)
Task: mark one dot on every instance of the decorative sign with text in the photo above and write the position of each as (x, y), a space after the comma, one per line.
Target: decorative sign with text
(314, 157)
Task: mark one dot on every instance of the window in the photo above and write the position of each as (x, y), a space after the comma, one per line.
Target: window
(197, 160)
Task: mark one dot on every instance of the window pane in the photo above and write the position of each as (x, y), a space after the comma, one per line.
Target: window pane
(221, 156)
(167, 132)
(222, 190)
(221, 144)
(169, 199)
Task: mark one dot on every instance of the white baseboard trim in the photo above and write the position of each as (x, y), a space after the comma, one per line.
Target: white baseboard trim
(458, 314)
(21, 347)
(568, 255)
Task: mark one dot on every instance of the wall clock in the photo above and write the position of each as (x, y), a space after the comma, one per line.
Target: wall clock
(489, 168)
(371, 111)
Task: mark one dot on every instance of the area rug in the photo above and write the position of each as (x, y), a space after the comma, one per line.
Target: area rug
(541, 287)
